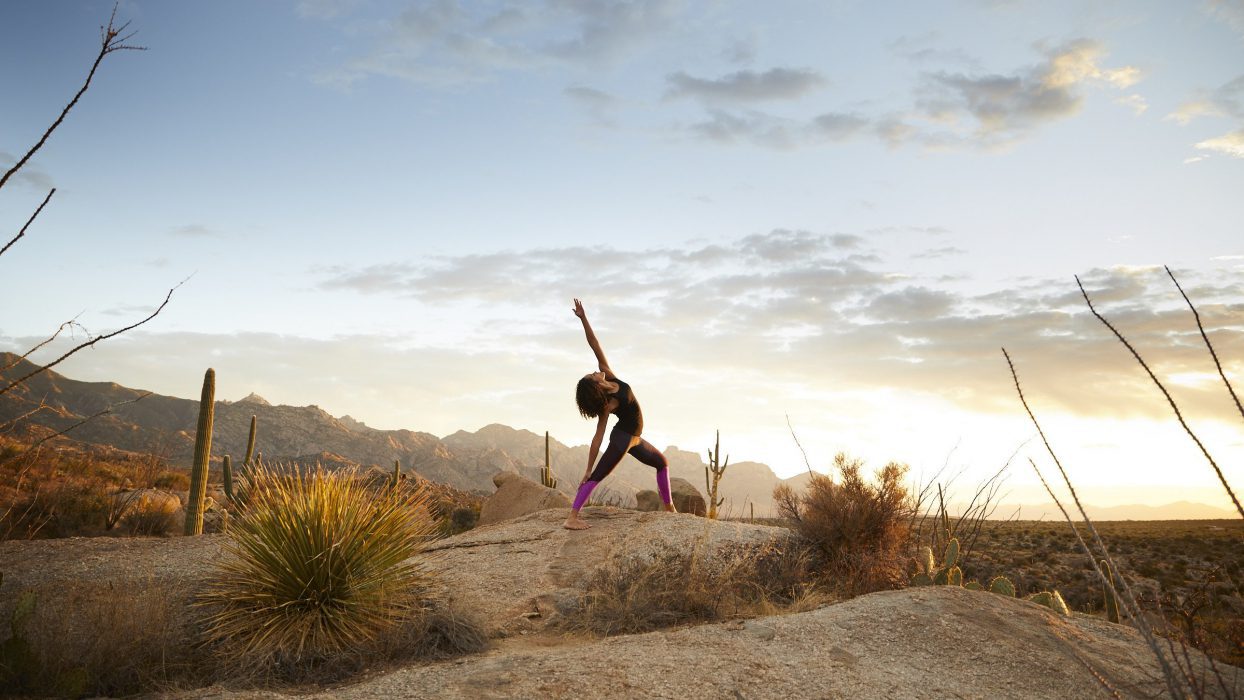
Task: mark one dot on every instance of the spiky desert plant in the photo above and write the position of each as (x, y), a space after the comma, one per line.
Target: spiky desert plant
(317, 565)
(1052, 600)
(202, 455)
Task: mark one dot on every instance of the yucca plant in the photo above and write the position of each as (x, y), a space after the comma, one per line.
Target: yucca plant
(319, 564)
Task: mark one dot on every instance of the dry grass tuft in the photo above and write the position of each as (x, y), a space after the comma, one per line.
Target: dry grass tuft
(634, 594)
(859, 530)
(90, 638)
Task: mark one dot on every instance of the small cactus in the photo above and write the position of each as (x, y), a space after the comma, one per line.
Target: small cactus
(954, 576)
(717, 469)
(921, 579)
(952, 553)
(1112, 600)
(250, 443)
(974, 586)
(397, 475)
(926, 560)
(226, 474)
(1002, 586)
(546, 472)
(202, 455)
(1052, 600)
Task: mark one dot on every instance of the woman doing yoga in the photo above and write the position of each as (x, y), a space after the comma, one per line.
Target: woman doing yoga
(598, 395)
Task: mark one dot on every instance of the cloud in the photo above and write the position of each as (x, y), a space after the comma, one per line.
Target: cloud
(1231, 144)
(735, 306)
(1135, 102)
(1230, 12)
(1226, 101)
(598, 104)
(949, 111)
(996, 110)
(447, 42)
(193, 231)
(30, 175)
(935, 253)
(746, 85)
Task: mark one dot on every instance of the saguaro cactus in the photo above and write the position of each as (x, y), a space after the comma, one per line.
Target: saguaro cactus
(202, 454)
(546, 473)
(250, 443)
(717, 469)
(397, 475)
(226, 473)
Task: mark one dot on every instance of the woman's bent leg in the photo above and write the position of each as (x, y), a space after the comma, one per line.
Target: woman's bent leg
(646, 453)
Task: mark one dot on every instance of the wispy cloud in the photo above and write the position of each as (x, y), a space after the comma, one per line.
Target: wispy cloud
(950, 110)
(193, 231)
(746, 85)
(861, 323)
(1227, 101)
(30, 175)
(455, 41)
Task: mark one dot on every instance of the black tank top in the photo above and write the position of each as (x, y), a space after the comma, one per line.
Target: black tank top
(630, 418)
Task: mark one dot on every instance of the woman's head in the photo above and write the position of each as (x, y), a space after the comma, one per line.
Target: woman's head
(592, 394)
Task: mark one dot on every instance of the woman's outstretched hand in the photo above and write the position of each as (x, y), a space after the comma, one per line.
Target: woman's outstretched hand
(578, 309)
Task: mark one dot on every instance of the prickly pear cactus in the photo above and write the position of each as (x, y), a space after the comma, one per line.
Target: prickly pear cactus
(974, 586)
(926, 560)
(952, 553)
(1052, 600)
(921, 579)
(1002, 586)
(954, 576)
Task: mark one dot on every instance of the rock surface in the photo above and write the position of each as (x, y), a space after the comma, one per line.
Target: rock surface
(916, 643)
(516, 497)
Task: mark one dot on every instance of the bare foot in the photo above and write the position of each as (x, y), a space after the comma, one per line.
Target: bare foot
(669, 508)
(573, 523)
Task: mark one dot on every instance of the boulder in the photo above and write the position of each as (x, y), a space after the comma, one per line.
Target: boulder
(687, 498)
(516, 497)
(647, 501)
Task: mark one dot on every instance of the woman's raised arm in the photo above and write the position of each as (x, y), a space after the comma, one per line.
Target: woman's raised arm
(591, 338)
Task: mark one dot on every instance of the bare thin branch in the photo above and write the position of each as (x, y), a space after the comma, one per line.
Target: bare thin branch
(1197, 316)
(89, 343)
(12, 422)
(1167, 394)
(29, 221)
(67, 324)
(110, 40)
(1167, 673)
(796, 437)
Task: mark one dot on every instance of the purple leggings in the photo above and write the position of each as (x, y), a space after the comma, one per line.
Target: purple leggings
(621, 443)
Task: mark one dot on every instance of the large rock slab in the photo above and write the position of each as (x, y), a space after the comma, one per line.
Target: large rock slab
(932, 642)
(516, 497)
(522, 573)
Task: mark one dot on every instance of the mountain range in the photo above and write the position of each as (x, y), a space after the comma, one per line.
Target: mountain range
(164, 425)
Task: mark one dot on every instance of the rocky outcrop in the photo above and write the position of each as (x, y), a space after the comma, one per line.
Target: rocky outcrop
(687, 498)
(516, 497)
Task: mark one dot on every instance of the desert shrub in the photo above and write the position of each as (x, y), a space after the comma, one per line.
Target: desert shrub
(318, 565)
(633, 594)
(92, 638)
(149, 518)
(859, 530)
(63, 508)
(172, 481)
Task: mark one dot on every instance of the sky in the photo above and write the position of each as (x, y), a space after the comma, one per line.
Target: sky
(825, 217)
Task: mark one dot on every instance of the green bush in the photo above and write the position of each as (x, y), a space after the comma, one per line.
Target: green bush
(319, 567)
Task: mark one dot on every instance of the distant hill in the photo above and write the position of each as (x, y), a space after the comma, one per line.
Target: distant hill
(307, 435)
(165, 425)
